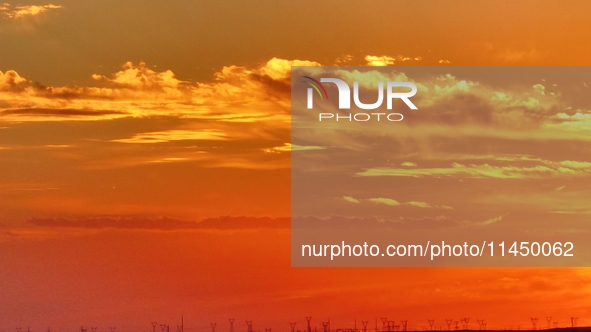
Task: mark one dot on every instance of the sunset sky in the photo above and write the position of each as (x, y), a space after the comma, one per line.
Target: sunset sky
(122, 124)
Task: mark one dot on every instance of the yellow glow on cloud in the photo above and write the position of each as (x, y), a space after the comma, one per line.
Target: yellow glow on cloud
(18, 12)
(142, 77)
(170, 159)
(544, 169)
(350, 199)
(580, 121)
(237, 95)
(373, 60)
(384, 60)
(387, 201)
(419, 204)
(174, 135)
(10, 80)
(392, 202)
(293, 147)
(280, 69)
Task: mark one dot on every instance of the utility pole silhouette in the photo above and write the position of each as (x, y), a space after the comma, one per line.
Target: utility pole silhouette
(549, 320)
(309, 326)
(465, 322)
(293, 325)
(384, 321)
(431, 324)
(480, 323)
(213, 326)
(232, 325)
(364, 322)
(534, 322)
(249, 325)
(325, 326)
(393, 326)
(403, 324)
(448, 322)
(154, 324)
(573, 321)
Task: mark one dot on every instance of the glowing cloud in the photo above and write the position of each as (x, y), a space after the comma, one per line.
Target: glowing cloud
(279, 69)
(141, 77)
(392, 202)
(350, 199)
(174, 135)
(544, 169)
(292, 147)
(419, 204)
(18, 12)
(379, 60)
(387, 201)
(11, 81)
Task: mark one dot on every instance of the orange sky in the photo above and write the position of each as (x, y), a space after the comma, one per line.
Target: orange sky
(153, 114)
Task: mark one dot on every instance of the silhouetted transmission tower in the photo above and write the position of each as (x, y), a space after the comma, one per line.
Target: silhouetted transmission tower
(534, 322)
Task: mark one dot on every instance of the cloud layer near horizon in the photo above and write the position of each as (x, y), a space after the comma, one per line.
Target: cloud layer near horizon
(141, 116)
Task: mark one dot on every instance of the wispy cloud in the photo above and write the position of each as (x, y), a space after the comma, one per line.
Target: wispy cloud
(419, 204)
(490, 221)
(543, 169)
(61, 114)
(384, 60)
(393, 202)
(350, 199)
(382, 200)
(293, 147)
(143, 223)
(174, 135)
(18, 12)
